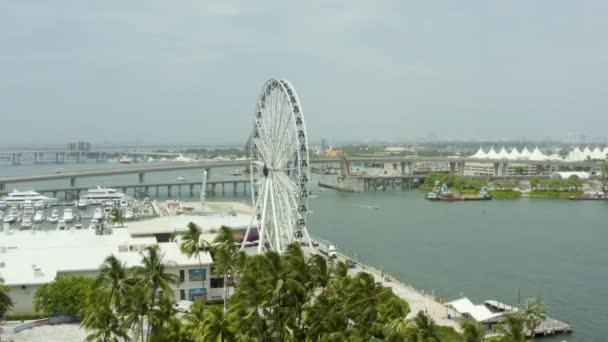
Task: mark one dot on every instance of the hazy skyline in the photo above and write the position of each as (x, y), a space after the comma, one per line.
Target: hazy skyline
(190, 71)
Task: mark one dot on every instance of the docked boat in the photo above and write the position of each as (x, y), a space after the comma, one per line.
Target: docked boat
(125, 160)
(596, 196)
(3, 205)
(20, 198)
(82, 203)
(68, 215)
(181, 179)
(39, 216)
(102, 195)
(54, 216)
(129, 215)
(78, 226)
(26, 222)
(98, 214)
(93, 224)
(28, 211)
(444, 194)
(11, 216)
(61, 225)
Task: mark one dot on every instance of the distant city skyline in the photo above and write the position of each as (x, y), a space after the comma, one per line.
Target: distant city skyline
(153, 72)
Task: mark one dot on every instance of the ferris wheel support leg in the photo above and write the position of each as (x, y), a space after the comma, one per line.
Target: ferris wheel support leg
(261, 228)
(274, 219)
(246, 236)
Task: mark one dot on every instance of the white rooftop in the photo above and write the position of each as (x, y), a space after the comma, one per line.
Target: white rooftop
(36, 258)
(179, 224)
(479, 313)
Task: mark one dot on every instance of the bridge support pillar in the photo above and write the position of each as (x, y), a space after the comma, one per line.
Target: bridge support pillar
(72, 181)
(402, 168)
(223, 189)
(208, 169)
(461, 168)
(16, 159)
(496, 169)
(452, 167)
(141, 177)
(157, 191)
(213, 189)
(179, 191)
(2, 187)
(169, 190)
(234, 188)
(191, 190)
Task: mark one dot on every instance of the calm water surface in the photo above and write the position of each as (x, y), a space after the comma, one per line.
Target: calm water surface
(555, 249)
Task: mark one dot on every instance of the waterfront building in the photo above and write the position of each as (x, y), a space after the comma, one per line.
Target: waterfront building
(29, 260)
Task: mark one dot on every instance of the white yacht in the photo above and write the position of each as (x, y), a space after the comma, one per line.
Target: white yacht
(54, 216)
(68, 215)
(39, 216)
(19, 198)
(125, 160)
(98, 214)
(82, 203)
(28, 210)
(101, 195)
(26, 223)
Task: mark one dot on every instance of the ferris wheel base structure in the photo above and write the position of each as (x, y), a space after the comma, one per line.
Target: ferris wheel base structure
(280, 171)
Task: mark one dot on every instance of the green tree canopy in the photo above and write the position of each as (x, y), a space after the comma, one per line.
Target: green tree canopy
(65, 295)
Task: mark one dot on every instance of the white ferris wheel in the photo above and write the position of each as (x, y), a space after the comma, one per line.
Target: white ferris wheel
(279, 169)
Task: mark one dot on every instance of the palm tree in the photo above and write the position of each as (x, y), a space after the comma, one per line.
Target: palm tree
(217, 326)
(193, 245)
(106, 325)
(425, 327)
(472, 331)
(112, 280)
(513, 330)
(117, 217)
(533, 314)
(225, 253)
(6, 302)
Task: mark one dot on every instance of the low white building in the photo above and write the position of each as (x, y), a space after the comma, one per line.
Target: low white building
(29, 259)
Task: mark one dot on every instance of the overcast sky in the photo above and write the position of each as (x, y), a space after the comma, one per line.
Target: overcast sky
(190, 71)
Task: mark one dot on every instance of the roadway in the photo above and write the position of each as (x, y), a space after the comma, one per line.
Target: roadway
(208, 164)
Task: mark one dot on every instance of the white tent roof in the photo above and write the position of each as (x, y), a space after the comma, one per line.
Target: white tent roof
(503, 154)
(492, 154)
(537, 155)
(525, 153)
(480, 154)
(587, 153)
(597, 154)
(555, 156)
(514, 154)
(479, 313)
(575, 155)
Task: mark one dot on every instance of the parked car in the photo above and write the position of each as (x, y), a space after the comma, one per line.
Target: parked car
(350, 263)
(183, 306)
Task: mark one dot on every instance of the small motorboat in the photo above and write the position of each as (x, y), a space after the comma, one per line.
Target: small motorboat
(78, 226)
(98, 214)
(68, 215)
(82, 203)
(54, 216)
(93, 224)
(129, 214)
(26, 222)
(39, 216)
(61, 225)
(12, 216)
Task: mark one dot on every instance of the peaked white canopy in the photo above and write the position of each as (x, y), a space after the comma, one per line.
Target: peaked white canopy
(480, 154)
(492, 154)
(537, 155)
(525, 153)
(503, 154)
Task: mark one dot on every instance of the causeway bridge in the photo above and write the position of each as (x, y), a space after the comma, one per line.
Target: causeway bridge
(405, 164)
